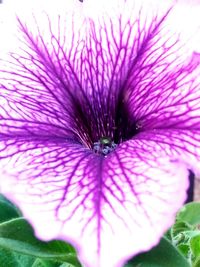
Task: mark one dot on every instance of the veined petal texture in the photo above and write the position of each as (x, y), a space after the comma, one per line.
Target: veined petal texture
(110, 208)
(72, 73)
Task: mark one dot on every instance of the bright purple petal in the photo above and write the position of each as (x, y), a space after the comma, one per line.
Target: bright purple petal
(168, 99)
(180, 145)
(36, 78)
(114, 207)
(110, 208)
(133, 52)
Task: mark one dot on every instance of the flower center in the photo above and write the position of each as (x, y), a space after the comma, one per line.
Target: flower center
(104, 146)
(102, 126)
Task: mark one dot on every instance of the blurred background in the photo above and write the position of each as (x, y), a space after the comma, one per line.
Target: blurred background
(197, 189)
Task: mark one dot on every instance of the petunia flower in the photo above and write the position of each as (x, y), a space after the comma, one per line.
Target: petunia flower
(99, 120)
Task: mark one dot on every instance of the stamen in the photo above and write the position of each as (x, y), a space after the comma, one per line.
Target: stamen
(104, 146)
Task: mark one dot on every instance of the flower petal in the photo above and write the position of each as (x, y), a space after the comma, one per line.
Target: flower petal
(34, 79)
(180, 145)
(125, 50)
(110, 208)
(124, 201)
(170, 100)
(162, 90)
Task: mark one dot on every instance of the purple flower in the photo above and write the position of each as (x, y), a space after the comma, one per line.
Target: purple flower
(100, 121)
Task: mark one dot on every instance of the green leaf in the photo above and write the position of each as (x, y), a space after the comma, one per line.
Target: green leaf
(164, 255)
(17, 235)
(168, 234)
(10, 259)
(184, 249)
(190, 213)
(195, 245)
(8, 210)
(42, 263)
(196, 262)
(179, 227)
(66, 265)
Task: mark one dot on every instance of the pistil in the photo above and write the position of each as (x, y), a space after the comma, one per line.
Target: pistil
(104, 146)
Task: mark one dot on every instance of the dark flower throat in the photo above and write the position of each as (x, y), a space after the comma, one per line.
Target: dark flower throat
(103, 133)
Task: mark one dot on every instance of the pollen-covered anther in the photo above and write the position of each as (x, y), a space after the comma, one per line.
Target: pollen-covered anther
(104, 146)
